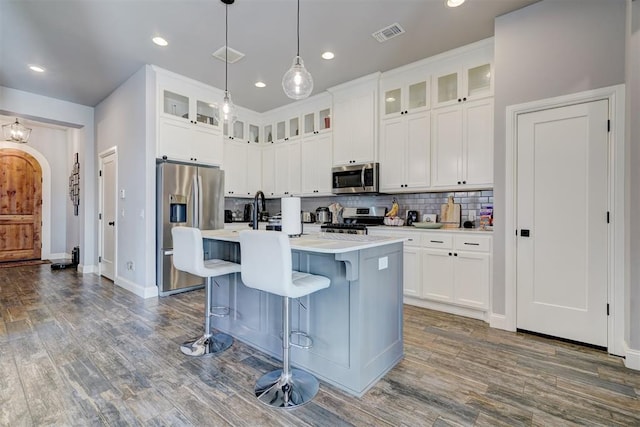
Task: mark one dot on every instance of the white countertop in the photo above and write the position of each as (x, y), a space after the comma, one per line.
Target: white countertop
(317, 242)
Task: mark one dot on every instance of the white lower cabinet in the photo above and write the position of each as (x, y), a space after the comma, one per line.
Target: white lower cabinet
(412, 273)
(446, 270)
(457, 269)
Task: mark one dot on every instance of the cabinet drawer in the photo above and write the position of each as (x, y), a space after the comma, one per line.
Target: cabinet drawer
(439, 240)
(472, 243)
(413, 239)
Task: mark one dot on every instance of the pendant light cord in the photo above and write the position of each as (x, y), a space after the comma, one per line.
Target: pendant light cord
(226, 46)
(298, 52)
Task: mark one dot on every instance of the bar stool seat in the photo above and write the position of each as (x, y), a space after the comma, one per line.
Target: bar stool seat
(188, 255)
(266, 265)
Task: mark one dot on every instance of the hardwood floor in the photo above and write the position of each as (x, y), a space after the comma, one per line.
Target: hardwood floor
(77, 350)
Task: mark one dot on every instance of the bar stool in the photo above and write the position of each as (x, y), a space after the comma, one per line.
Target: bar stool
(188, 255)
(266, 266)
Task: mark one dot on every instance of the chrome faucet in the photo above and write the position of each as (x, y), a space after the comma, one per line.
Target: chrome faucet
(254, 220)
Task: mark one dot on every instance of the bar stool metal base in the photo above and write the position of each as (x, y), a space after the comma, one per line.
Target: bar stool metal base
(274, 390)
(206, 345)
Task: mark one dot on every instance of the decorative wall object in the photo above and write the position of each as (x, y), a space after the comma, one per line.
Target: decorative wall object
(74, 185)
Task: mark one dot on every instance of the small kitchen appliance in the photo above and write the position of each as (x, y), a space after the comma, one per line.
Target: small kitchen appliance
(323, 216)
(412, 216)
(308, 217)
(355, 179)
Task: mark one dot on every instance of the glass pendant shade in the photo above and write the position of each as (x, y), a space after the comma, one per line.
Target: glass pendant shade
(15, 132)
(228, 109)
(297, 81)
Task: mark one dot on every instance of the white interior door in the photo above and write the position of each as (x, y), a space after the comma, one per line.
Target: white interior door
(108, 210)
(562, 182)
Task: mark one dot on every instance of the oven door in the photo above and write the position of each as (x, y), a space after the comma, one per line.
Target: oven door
(355, 179)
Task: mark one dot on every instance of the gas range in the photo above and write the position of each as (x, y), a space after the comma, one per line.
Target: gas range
(356, 220)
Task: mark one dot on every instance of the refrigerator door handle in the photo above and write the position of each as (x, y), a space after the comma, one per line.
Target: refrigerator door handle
(196, 201)
(200, 203)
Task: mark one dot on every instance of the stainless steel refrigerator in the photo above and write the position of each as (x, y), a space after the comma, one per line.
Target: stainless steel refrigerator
(188, 195)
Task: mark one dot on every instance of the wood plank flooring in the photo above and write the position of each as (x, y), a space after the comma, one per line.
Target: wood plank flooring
(77, 350)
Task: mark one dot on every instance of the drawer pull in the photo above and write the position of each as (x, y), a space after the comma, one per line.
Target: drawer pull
(436, 241)
(472, 244)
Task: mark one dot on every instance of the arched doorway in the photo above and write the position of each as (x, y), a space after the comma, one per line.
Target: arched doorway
(20, 206)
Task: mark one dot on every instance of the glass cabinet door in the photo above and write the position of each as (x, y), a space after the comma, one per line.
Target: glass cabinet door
(207, 113)
(324, 118)
(268, 133)
(281, 131)
(176, 104)
(392, 101)
(447, 88)
(294, 127)
(254, 133)
(417, 95)
(238, 129)
(478, 79)
(309, 123)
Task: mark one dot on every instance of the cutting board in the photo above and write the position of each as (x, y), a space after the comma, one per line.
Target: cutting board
(450, 214)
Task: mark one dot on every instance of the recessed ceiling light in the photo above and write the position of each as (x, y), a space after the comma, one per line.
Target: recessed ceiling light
(328, 55)
(261, 84)
(454, 3)
(36, 68)
(160, 41)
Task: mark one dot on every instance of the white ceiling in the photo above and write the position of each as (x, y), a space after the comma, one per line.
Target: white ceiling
(90, 47)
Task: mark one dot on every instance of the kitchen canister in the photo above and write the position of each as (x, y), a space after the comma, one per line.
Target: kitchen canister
(290, 211)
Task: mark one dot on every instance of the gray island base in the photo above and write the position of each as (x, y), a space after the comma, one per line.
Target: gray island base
(355, 323)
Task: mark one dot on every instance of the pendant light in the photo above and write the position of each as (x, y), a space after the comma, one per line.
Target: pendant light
(228, 109)
(297, 81)
(15, 132)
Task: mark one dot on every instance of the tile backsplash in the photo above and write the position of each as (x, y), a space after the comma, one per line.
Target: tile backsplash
(424, 203)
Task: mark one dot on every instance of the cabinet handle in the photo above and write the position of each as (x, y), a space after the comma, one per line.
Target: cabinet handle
(472, 244)
(455, 254)
(450, 254)
(411, 240)
(459, 182)
(464, 99)
(459, 100)
(436, 241)
(464, 182)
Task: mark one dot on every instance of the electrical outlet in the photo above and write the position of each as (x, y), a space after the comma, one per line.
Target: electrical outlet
(131, 266)
(472, 215)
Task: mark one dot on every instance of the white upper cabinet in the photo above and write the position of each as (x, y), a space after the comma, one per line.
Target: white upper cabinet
(467, 77)
(405, 93)
(243, 168)
(405, 153)
(188, 120)
(405, 131)
(462, 145)
(355, 121)
(316, 160)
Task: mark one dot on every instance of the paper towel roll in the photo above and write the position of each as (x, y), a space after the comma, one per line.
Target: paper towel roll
(291, 221)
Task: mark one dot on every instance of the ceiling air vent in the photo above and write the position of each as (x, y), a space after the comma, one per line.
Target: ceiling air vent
(388, 32)
(234, 55)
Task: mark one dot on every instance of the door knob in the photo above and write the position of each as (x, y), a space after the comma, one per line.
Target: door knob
(112, 223)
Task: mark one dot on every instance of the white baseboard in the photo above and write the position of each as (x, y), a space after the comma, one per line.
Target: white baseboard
(631, 357)
(499, 321)
(87, 269)
(58, 255)
(447, 308)
(141, 291)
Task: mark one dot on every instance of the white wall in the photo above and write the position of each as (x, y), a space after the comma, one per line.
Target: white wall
(79, 121)
(121, 122)
(633, 145)
(548, 49)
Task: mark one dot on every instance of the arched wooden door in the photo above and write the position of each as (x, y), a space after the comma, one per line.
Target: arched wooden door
(20, 206)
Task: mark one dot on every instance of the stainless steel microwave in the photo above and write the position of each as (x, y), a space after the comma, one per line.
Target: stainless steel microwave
(354, 179)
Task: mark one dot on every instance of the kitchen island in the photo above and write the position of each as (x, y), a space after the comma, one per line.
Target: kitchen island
(355, 323)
